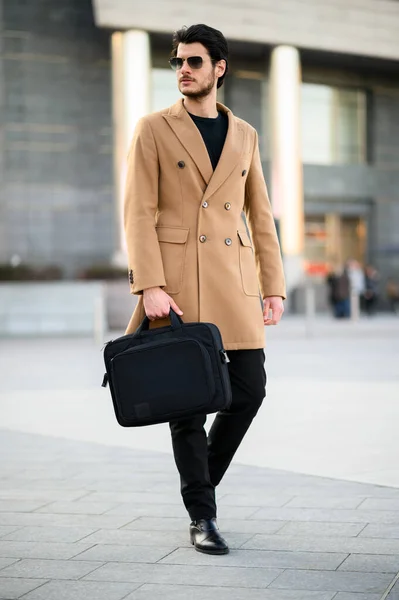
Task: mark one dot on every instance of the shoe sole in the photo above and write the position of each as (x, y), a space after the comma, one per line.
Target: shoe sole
(214, 552)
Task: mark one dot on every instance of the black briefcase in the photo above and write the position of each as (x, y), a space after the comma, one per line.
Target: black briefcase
(167, 373)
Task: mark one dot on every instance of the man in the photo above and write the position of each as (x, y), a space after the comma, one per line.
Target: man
(192, 171)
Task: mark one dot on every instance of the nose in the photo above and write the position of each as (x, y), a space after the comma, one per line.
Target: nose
(185, 70)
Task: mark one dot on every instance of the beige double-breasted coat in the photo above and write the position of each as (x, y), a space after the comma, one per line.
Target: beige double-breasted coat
(185, 230)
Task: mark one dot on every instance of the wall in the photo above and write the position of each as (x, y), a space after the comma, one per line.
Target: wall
(57, 183)
(363, 27)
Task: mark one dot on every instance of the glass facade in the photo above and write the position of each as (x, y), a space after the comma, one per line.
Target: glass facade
(164, 89)
(333, 125)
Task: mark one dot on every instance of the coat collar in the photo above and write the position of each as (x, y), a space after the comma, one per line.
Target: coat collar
(188, 134)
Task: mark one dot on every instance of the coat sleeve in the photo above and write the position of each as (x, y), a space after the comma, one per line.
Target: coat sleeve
(260, 220)
(140, 208)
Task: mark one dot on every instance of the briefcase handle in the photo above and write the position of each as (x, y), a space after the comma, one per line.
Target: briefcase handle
(176, 322)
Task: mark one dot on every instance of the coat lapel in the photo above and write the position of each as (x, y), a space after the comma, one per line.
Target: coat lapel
(187, 132)
(231, 154)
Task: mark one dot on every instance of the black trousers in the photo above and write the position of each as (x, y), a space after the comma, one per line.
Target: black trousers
(202, 460)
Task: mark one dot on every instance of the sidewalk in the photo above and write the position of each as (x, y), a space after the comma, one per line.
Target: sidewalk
(92, 511)
(81, 521)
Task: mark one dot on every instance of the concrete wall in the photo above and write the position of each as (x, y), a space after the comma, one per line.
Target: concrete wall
(363, 27)
(57, 181)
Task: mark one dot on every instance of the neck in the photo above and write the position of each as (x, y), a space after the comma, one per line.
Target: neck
(202, 107)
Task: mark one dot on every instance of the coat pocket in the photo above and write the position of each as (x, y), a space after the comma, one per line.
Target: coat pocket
(173, 245)
(249, 276)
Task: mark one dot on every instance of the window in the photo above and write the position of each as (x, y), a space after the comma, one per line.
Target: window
(333, 125)
(164, 89)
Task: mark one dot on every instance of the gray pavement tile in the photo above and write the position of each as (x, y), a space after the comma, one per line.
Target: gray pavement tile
(44, 520)
(371, 563)
(183, 592)
(185, 575)
(81, 590)
(11, 589)
(254, 500)
(7, 530)
(329, 515)
(324, 502)
(137, 497)
(49, 569)
(262, 558)
(42, 550)
(126, 553)
(225, 525)
(48, 534)
(355, 596)
(148, 510)
(321, 529)
(379, 530)
(12, 505)
(42, 495)
(175, 538)
(82, 507)
(351, 545)
(332, 580)
(5, 562)
(380, 504)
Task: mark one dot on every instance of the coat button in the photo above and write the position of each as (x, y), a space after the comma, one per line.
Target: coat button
(202, 238)
(244, 172)
(228, 242)
(205, 204)
(227, 206)
(181, 164)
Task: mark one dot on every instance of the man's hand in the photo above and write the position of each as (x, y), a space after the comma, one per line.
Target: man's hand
(276, 306)
(157, 304)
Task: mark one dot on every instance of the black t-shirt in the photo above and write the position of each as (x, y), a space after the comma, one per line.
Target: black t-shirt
(214, 133)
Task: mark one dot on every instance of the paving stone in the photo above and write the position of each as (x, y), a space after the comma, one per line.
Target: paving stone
(329, 515)
(78, 508)
(7, 530)
(183, 592)
(137, 497)
(42, 550)
(379, 530)
(371, 563)
(48, 534)
(324, 502)
(349, 596)
(334, 581)
(81, 590)
(321, 529)
(185, 575)
(126, 553)
(360, 545)
(149, 510)
(20, 505)
(11, 588)
(152, 538)
(253, 558)
(257, 499)
(40, 519)
(5, 562)
(49, 569)
(46, 496)
(380, 504)
(225, 525)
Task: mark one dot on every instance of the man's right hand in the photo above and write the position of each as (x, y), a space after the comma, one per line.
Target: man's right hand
(157, 304)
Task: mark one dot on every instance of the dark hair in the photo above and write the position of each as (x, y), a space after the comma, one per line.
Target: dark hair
(213, 40)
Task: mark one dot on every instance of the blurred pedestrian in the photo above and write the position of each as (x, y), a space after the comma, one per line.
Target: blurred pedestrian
(339, 286)
(392, 292)
(370, 294)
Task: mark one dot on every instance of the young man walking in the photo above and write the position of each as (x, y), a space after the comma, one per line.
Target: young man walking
(193, 170)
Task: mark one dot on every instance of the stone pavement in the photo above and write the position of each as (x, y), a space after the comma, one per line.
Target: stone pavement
(84, 521)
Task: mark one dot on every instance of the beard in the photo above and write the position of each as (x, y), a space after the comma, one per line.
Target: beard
(203, 91)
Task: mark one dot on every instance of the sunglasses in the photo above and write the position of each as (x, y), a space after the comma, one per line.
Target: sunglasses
(194, 62)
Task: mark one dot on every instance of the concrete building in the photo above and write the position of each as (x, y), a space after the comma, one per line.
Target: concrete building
(319, 81)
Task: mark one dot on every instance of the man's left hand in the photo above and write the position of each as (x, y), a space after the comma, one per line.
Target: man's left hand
(276, 306)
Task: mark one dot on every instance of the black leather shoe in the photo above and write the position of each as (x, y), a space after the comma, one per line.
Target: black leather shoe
(205, 537)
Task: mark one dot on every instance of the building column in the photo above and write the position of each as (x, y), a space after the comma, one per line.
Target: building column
(131, 100)
(286, 164)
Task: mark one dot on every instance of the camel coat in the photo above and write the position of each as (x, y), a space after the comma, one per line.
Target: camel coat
(185, 229)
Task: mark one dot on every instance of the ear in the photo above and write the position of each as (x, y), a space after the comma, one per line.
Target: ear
(221, 67)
